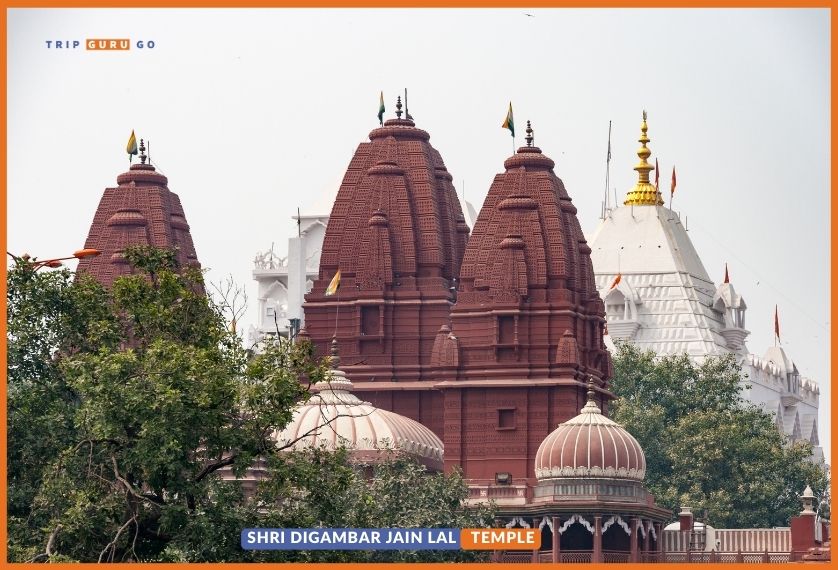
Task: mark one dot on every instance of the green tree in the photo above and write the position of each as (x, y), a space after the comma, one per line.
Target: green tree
(322, 488)
(705, 446)
(124, 406)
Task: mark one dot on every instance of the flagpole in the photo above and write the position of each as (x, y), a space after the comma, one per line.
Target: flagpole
(337, 312)
(605, 203)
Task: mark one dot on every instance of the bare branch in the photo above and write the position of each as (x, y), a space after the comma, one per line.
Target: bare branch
(230, 298)
(112, 544)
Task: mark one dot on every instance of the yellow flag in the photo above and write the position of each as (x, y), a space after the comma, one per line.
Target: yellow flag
(132, 144)
(334, 285)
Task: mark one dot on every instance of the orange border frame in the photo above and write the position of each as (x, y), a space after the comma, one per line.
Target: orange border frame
(6, 4)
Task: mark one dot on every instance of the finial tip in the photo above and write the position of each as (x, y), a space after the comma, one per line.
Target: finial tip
(529, 138)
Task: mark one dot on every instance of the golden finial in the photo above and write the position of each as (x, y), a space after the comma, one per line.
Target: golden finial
(644, 192)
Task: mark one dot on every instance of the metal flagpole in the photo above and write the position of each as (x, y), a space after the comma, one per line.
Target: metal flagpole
(337, 312)
(605, 203)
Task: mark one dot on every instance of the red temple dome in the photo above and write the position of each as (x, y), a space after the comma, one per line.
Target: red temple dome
(527, 326)
(141, 210)
(397, 235)
(589, 446)
(527, 280)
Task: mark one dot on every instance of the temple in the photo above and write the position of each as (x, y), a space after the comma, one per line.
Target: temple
(496, 346)
(141, 210)
(526, 330)
(659, 296)
(395, 241)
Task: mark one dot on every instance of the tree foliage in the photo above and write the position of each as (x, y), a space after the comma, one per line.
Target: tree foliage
(124, 406)
(705, 446)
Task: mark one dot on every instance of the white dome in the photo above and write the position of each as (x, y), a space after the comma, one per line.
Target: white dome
(333, 417)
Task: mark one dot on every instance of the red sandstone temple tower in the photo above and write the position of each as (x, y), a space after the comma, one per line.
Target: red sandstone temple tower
(397, 235)
(527, 329)
(141, 210)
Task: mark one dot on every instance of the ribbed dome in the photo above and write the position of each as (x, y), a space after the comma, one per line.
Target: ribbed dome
(335, 417)
(590, 445)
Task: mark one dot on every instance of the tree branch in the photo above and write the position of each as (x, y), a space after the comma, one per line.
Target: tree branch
(112, 544)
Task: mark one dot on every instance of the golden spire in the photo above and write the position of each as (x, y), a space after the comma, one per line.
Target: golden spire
(644, 192)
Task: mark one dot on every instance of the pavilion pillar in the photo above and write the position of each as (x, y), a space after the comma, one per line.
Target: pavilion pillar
(557, 540)
(633, 554)
(659, 546)
(597, 554)
(647, 536)
(535, 553)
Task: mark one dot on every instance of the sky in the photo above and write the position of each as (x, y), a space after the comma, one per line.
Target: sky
(255, 112)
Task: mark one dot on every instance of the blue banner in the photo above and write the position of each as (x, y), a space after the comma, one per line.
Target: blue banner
(350, 539)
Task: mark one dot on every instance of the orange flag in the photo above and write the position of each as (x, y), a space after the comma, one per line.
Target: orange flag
(617, 280)
(776, 323)
(672, 192)
(727, 277)
(657, 174)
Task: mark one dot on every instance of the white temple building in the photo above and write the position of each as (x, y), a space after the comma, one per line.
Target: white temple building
(284, 281)
(659, 296)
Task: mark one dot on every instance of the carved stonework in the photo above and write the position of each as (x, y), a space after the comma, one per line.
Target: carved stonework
(141, 210)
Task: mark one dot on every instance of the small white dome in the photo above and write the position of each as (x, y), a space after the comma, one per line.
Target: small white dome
(333, 417)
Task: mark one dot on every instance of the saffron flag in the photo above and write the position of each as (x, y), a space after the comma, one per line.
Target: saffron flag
(672, 192)
(334, 285)
(657, 174)
(132, 146)
(508, 123)
(617, 280)
(776, 323)
(727, 277)
(381, 109)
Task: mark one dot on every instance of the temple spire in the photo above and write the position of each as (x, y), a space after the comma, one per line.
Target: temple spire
(591, 406)
(529, 138)
(727, 276)
(399, 107)
(644, 193)
(335, 357)
(142, 152)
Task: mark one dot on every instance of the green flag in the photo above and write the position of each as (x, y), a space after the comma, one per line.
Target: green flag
(508, 123)
(381, 109)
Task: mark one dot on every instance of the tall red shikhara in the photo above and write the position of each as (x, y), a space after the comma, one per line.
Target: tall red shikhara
(495, 373)
(527, 325)
(397, 235)
(141, 210)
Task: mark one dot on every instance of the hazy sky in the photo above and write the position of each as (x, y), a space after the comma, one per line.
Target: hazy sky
(253, 113)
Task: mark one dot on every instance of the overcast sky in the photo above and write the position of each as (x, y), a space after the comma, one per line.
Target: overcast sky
(253, 113)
